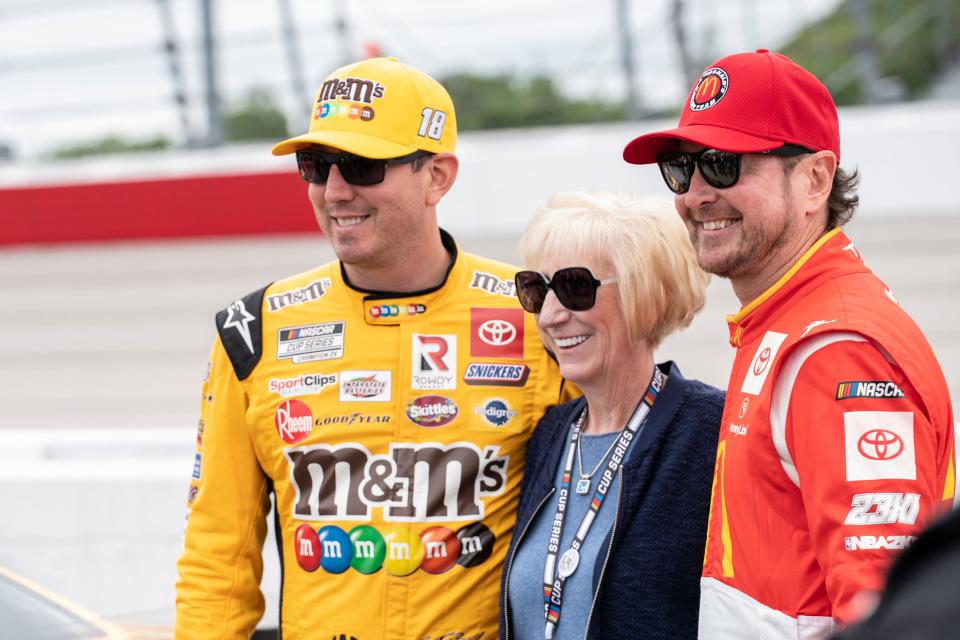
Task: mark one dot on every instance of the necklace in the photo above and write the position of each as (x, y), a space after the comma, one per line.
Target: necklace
(586, 479)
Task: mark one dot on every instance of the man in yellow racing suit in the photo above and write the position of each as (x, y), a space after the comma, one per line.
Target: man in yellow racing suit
(384, 399)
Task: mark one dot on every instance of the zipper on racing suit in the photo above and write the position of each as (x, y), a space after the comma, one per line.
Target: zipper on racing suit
(506, 578)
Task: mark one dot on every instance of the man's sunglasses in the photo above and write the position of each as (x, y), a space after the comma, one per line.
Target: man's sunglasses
(576, 288)
(720, 169)
(356, 170)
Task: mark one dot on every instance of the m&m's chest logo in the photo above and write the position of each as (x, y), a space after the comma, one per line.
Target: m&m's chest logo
(710, 89)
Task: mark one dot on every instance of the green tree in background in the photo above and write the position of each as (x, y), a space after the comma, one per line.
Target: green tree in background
(112, 144)
(257, 117)
(914, 40)
(499, 101)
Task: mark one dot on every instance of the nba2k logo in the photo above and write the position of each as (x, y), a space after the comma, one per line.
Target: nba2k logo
(710, 89)
(434, 361)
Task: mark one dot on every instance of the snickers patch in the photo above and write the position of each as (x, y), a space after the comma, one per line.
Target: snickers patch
(496, 375)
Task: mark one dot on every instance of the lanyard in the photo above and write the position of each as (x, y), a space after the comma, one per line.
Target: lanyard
(555, 573)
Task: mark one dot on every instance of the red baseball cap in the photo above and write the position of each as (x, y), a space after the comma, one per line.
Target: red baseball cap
(747, 103)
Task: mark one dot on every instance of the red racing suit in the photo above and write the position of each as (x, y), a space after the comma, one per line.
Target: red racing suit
(836, 448)
(391, 430)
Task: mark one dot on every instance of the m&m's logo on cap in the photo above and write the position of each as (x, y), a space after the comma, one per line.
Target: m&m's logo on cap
(710, 89)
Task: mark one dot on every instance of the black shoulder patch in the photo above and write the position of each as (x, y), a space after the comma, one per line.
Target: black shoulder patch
(241, 331)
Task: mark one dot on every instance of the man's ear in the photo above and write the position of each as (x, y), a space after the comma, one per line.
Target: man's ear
(442, 169)
(820, 169)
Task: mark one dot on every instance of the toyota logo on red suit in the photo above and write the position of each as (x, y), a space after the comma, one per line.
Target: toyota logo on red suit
(879, 445)
(496, 333)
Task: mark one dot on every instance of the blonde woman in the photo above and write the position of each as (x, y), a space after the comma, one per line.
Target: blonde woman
(613, 509)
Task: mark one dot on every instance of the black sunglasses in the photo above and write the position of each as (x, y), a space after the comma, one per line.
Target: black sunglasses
(720, 169)
(576, 288)
(356, 170)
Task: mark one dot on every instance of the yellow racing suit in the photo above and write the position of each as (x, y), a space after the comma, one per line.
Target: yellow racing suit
(391, 430)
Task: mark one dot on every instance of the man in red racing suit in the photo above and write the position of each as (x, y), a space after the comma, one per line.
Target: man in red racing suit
(836, 447)
(837, 441)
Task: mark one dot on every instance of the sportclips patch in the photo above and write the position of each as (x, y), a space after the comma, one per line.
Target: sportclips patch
(710, 89)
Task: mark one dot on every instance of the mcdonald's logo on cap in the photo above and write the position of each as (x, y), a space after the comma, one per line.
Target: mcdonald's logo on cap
(710, 89)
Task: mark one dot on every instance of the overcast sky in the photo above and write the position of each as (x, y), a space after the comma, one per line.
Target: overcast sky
(73, 71)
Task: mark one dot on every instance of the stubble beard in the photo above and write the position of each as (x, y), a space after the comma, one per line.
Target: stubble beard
(349, 250)
(749, 253)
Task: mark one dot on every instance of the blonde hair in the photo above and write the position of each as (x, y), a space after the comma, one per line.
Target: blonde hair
(661, 287)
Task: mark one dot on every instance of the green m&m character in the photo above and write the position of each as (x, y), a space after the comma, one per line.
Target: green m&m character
(369, 549)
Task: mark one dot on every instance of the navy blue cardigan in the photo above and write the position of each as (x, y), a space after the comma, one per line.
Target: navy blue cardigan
(651, 585)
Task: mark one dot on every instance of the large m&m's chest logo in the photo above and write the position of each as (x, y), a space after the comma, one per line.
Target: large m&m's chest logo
(710, 89)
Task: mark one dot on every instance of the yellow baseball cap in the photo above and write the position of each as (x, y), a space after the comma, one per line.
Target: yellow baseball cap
(379, 108)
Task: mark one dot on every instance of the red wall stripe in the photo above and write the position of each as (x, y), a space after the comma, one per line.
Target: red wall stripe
(250, 204)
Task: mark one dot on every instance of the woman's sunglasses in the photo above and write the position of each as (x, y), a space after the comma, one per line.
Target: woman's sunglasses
(720, 169)
(575, 287)
(356, 170)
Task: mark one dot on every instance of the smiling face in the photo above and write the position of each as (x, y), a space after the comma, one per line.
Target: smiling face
(375, 226)
(592, 346)
(744, 230)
